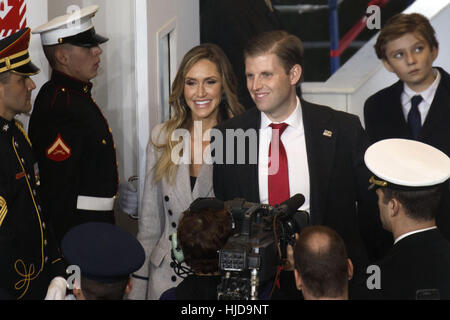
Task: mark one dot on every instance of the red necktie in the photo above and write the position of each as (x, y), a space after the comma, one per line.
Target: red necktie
(278, 167)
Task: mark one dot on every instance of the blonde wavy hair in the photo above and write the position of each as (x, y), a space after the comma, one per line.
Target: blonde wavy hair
(181, 114)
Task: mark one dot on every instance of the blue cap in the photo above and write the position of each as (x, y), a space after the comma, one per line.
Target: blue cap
(104, 252)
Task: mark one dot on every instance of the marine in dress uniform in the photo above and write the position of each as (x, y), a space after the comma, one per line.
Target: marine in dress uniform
(29, 256)
(106, 256)
(409, 176)
(71, 137)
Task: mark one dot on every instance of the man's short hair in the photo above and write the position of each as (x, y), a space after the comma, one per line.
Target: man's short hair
(95, 290)
(421, 205)
(201, 234)
(287, 47)
(401, 24)
(321, 260)
(50, 53)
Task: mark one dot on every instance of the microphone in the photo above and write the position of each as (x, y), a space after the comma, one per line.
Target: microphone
(289, 207)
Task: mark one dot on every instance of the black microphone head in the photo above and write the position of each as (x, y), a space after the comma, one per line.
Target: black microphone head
(292, 204)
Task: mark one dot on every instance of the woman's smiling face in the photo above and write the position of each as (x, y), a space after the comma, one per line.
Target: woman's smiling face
(203, 90)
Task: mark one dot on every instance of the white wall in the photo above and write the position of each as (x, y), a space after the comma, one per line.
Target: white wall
(363, 74)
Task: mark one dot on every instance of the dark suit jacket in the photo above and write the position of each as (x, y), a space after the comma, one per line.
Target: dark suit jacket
(384, 119)
(419, 261)
(338, 177)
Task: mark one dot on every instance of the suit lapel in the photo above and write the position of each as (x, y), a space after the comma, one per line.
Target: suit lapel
(248, 175)
(183, 185)
(320, 136)
(203, 186)
(441, 100)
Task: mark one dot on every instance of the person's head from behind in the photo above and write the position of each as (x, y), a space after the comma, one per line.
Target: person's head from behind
(273, 67)
(90, 289)
(322, 267)
(401, 208)
(409, 177)
(407, 46)
(201, 234)
(15, 71)
(204, 87)
(106, 256)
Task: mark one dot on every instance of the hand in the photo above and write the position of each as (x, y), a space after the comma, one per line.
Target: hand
(128, 197)
(57, 289)
(289, 264)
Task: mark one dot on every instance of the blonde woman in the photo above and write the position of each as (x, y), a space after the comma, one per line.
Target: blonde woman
(203, 94)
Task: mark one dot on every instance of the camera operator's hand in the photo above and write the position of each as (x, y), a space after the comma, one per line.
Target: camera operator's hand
(290, 263)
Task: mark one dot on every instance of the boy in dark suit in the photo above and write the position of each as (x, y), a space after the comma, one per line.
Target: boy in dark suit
(418, 105)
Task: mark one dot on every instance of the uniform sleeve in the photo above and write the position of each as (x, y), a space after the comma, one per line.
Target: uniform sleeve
(151, 222)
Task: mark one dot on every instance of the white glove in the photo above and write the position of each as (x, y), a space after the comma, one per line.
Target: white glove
(128, 197)
(57, 289)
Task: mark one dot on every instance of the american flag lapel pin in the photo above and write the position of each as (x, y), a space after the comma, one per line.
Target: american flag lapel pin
(328, 133)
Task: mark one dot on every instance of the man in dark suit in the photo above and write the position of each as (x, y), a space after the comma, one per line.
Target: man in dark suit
(418, 266)
(320, 154)
(418, 105)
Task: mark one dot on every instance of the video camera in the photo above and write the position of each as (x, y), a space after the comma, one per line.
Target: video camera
(250, 258)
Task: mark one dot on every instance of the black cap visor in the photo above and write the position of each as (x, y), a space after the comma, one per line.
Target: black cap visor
(29, 69)
(86, 39)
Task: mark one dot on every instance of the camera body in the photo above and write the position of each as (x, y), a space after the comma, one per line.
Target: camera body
(250, 258)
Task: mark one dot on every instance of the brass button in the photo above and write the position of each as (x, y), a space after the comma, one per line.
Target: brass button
(104, 142)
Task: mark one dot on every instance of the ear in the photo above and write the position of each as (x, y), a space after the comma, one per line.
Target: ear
(394, 207)
(350, 269)
(298, 280)
(295, 74)
(387, 65)
(61, 55)
(129, 286)
(435, 53)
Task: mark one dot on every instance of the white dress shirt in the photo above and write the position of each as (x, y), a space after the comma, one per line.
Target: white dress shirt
(294, 142)
(427, 98)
